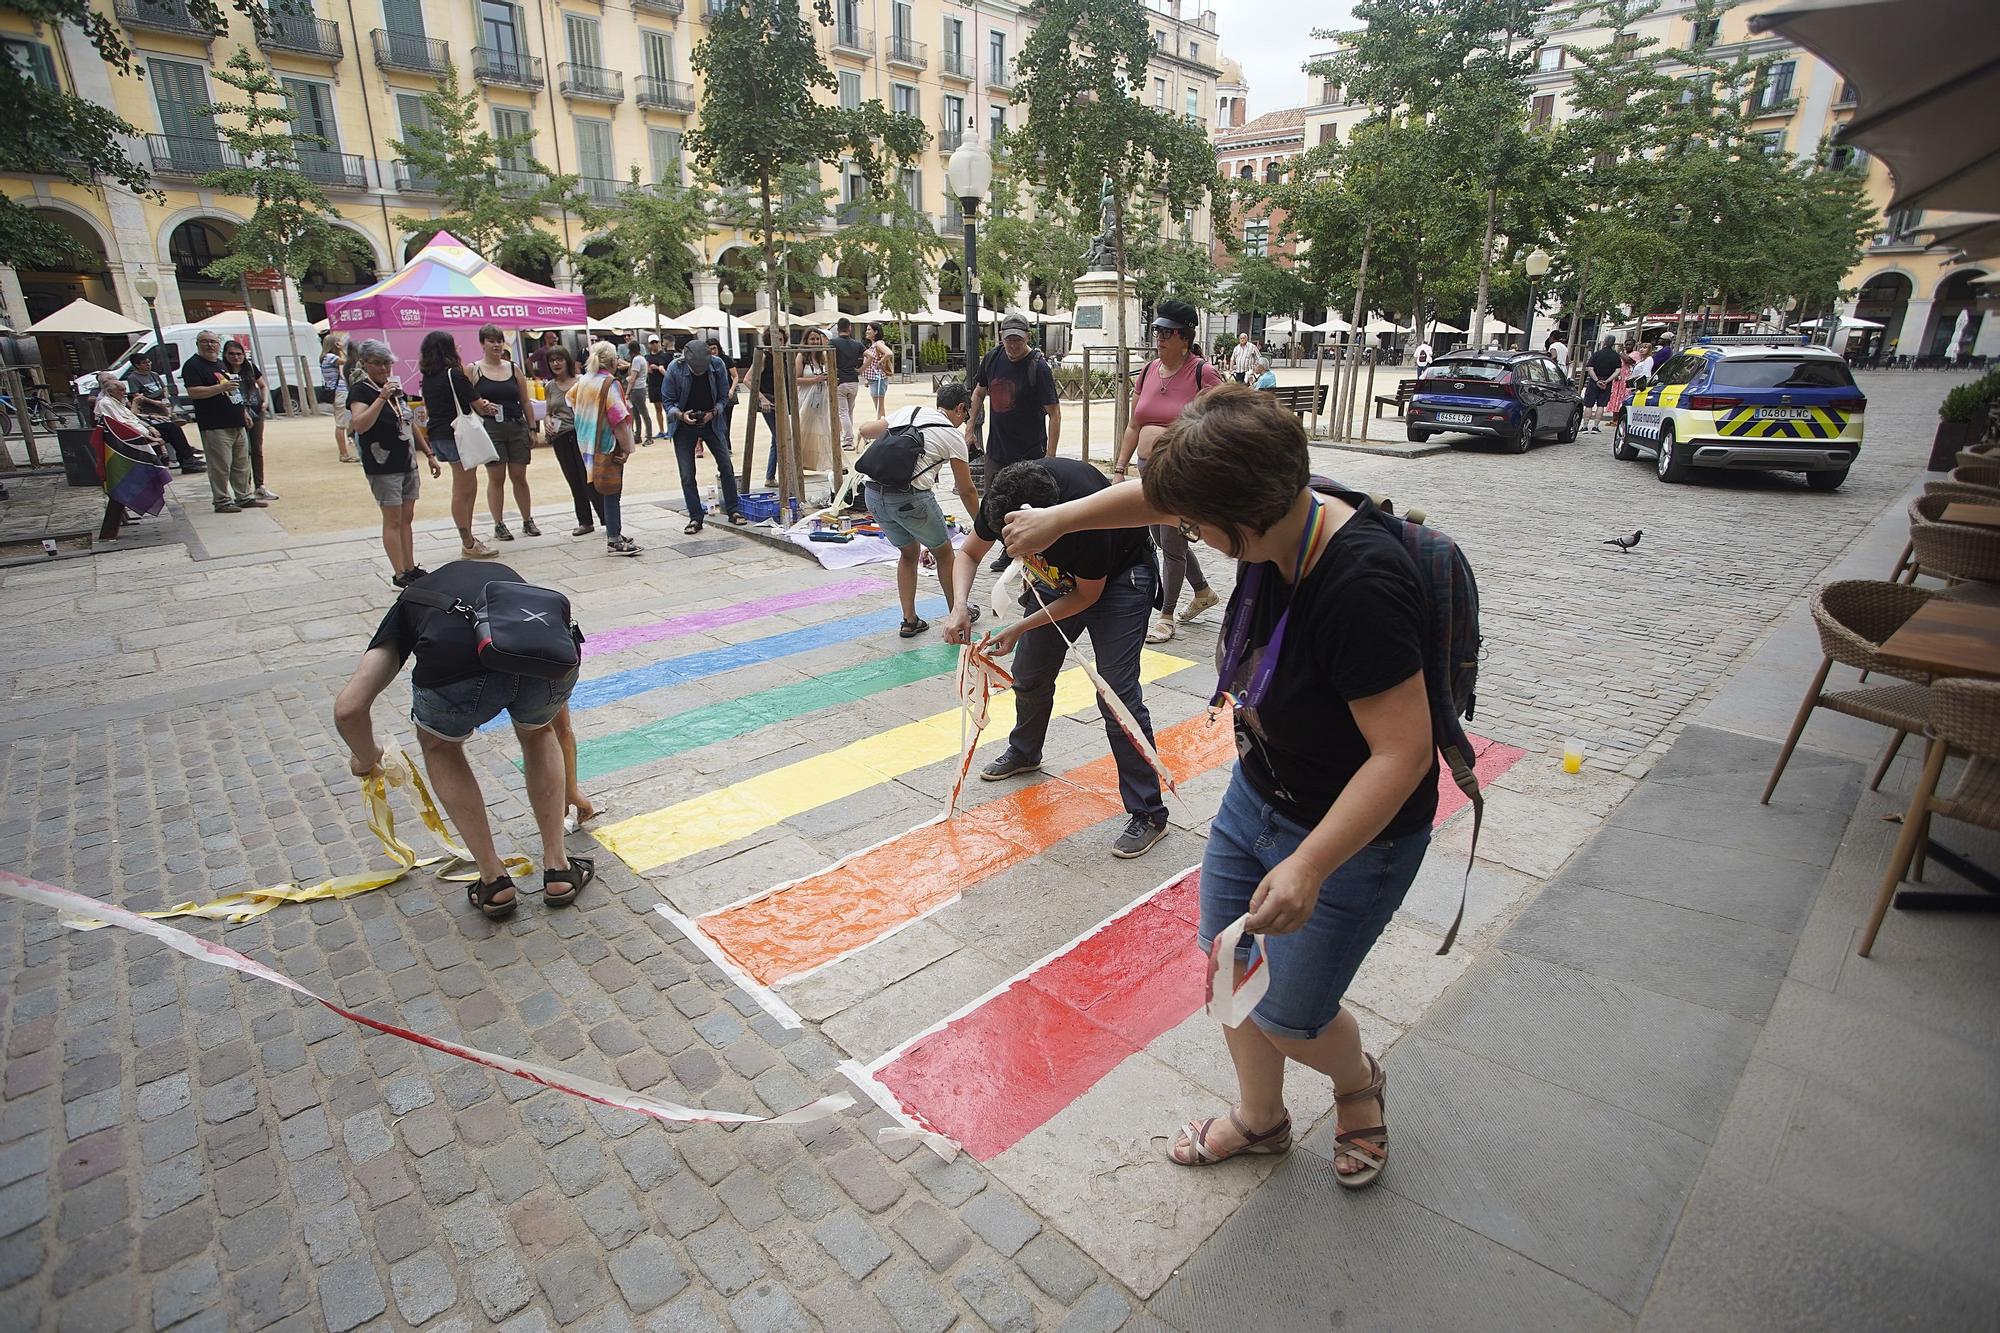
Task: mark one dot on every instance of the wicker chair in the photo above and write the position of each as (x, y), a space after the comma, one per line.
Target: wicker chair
(1927, 508)
(1956, 552)
(1978, 474)
(1979, 455)
(1855, 618)
(1965, 717)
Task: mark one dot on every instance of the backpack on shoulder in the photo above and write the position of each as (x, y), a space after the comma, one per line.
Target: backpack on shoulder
(891, 461)
(522, 629)
(1451, 652)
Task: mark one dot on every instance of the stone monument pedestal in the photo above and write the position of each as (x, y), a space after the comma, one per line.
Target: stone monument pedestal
(1097, 312)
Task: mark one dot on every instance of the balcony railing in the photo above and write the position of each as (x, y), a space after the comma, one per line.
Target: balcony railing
(715, 8)
(601, 189)
(405, 50)
(908, 54)
(674, 7)
(304, 34)
(509, 68)
(161, 16)
(409, 182)
(850, 39)
(955, 64)
(342, 171)
(590, 83)
(949, 140)
(188, 155)
(950, 223)
(669, 93)
(1002, 79)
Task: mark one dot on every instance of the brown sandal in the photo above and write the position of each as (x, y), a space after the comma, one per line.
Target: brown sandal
(1367, 1147)
(1191, 1148)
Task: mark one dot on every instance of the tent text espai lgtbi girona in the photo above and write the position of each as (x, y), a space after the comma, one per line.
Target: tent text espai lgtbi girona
(447, 286)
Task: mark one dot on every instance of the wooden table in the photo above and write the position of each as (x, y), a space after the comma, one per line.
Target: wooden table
(1947, 638)
(1978, 515)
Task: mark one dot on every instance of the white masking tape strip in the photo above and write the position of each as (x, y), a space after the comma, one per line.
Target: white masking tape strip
(219, 955)
(742, 980)
(1229, 1004)
(905, 1127)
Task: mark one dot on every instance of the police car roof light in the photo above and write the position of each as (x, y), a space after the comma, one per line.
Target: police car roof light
(1754, 340)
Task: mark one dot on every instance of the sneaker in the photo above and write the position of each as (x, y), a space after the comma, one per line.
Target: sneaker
(415, 572)
(583, 530)
(1007, 765)
(501, 532)
(476, 550)
(252, 502)
(528, 526)
(400, 580)
(1138, 838)
(266, 493)
(228, 507)
(1000, 562)
(1203, 599)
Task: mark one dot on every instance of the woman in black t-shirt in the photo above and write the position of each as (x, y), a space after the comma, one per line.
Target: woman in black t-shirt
(1329, 811)
(448, 394)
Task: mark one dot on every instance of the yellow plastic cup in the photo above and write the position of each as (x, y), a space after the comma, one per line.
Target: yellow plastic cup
(1572, 755)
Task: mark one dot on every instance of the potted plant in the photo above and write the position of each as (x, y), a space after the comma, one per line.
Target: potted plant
(1962, 418)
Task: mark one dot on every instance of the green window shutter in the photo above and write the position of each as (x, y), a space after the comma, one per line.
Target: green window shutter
(403, 17)
(665, 146)
(181, 94)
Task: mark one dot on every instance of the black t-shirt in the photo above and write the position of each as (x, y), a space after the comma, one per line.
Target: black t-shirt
(1095, 554)
(847, 350)
(253, 398)
(148, 385)
(440, 413)
(385, 446)
(701, 387)
(1356, 629)
(212, 411)
(1017, 396)
(1604, 363)
(445, 642)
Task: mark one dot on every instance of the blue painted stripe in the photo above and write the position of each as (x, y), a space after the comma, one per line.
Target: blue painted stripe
(619, 685)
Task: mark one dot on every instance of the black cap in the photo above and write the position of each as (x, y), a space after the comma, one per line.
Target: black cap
(1012, 324)
(1175, 315)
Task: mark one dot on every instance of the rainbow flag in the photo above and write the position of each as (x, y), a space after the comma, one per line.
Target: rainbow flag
(129, 471)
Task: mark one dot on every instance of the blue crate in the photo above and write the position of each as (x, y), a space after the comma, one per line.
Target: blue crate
(758, 506)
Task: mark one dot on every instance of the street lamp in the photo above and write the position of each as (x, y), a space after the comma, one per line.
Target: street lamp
(968, 175)
(148, 288)
(1536, 265)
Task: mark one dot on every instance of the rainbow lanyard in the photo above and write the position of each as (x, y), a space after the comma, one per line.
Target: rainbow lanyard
(1238, 637)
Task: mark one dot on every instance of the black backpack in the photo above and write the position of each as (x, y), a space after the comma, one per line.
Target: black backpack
(891, 462)
(522, 629)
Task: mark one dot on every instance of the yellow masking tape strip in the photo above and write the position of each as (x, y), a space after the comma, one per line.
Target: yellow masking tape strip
(648, 841)
(397, 771)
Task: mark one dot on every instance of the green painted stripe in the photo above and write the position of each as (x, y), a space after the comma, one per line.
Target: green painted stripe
(737, 717)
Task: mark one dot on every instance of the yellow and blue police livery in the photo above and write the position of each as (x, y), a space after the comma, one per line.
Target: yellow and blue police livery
(1757, 403)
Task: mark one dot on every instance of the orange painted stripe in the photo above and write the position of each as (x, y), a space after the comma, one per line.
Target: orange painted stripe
(854, 902)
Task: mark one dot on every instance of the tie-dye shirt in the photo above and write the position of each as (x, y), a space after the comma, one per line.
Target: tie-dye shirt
(600, 408)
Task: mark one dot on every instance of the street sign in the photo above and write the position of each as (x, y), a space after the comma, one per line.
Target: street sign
(268, 280)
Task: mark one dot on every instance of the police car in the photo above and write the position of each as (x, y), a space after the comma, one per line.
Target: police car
(1746, 402)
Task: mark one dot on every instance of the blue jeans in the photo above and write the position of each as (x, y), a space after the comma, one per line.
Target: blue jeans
(1313, 965)
(685, 439)
(1117, 626)
(612, 507)
(771, 450)
(455, 711)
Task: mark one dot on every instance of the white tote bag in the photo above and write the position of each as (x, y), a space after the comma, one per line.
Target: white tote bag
(475, 446)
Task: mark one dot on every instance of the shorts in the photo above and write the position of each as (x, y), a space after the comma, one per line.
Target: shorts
(394, 488)
(878, 385)
(342, 418)
(908, 517)
(445, 447)
(1594, 396)
(1311, 967)
(455, 711)
(511, 440)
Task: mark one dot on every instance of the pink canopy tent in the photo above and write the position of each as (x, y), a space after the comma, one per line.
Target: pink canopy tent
(446, 286)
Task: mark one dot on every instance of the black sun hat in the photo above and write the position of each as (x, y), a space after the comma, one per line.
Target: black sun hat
(1175, 315)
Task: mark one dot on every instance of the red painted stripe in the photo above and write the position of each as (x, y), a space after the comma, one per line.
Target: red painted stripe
(993, 1075)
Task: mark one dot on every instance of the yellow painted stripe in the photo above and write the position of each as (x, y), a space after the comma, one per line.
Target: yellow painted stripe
(717, 818)
(1671, 395)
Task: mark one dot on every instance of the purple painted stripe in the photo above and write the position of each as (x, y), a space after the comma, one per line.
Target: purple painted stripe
(700, 622)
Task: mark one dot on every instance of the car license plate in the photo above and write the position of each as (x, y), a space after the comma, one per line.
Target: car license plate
(1456, 418)
(1784, 414)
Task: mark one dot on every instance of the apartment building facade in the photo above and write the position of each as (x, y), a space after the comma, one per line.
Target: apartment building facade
(602, 88)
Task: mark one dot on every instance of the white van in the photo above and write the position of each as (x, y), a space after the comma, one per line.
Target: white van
(272, 338)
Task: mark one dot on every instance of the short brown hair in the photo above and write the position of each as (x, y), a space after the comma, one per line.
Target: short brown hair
(1234, 460)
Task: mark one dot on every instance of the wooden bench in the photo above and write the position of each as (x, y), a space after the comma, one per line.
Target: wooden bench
(1298, 399)
(1405, 390)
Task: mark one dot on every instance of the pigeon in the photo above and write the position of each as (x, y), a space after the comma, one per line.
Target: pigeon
(1625, 543)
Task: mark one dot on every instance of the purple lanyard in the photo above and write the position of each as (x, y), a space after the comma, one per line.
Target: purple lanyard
(1238, 635)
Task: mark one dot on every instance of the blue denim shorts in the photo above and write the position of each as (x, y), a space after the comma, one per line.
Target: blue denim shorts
(1313, 965)
(455, 711)
(908, 517)
(445, 446)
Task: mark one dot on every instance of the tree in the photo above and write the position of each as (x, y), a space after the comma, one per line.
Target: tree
(292, 226)
(894, 246)
(1088, 137)
(648, 237)
(1021, 247)
(763, 81)
(491, 187)
(55, 133)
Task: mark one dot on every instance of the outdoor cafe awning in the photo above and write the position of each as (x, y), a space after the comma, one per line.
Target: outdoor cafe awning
(80, 318)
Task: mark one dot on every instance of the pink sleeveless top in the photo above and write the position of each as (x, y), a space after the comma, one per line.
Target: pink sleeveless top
(1162, 397)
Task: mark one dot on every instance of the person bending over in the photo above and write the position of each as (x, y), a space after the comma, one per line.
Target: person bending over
(910, 518)
(1329, 810)
(451, 696)
(1096, 581)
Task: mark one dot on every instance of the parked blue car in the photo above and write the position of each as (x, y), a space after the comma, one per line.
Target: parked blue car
(1514, 397)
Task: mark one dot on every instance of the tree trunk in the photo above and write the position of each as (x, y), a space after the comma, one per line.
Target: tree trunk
(791, 482)
(1576, 314)
(1121, 405)
(291, 329)
(1343, 409)
(1478, 331)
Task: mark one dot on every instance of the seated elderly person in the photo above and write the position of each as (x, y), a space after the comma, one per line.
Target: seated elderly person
(131, 458)
(152, 400)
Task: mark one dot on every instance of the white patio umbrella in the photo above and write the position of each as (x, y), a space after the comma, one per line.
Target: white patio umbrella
(1439, 326)
(1287, 325)
(1843, 323)
(82, 318)
(639, 315)
(706, 317)
(1331, 324)
(1376, 324)
(1498, 324)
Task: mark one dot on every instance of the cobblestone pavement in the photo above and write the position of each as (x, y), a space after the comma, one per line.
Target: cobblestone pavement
(184, 1148)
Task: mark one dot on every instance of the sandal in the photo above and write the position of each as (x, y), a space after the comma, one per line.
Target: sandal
(1367, 1147)
(914, 626)
(694, 526)
(482, 895)
(738, 519)
(579, 872)
(1162, 630)
(528, 526)
(1191, 1148)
